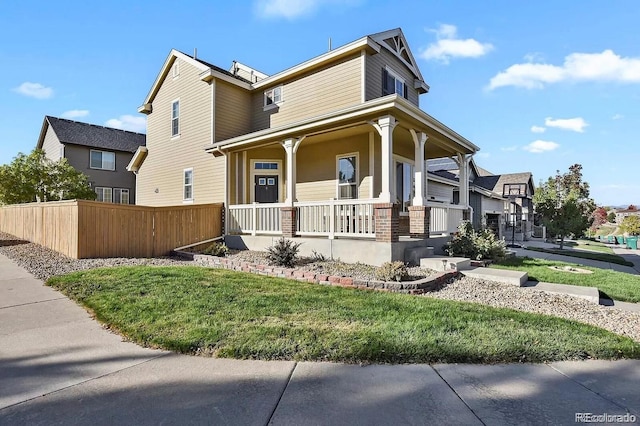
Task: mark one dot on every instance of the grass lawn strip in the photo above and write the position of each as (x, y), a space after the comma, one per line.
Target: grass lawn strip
(595, 246)
(234, 314)
(602, 257)
(616, 285)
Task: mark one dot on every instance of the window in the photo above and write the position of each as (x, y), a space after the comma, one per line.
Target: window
(102, 160)
(405, 187)
(265, 166)
(272, 97)
(175, 118)
(188, 184)
(347, 176)
(393, 83)
(104, 194)
(121, 196)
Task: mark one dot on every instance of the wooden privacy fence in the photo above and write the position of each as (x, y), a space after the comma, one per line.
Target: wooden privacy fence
(87, 229)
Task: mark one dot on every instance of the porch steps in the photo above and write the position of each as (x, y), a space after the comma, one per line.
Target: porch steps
(517, 278)
(413, 255)
(440, 263)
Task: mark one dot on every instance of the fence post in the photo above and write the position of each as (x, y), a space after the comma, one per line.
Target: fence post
(254, 218)
(332, 219)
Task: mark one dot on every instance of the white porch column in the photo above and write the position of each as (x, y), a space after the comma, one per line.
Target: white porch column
(385, 127)
(419, 141)
(463, 177)
(291, 148)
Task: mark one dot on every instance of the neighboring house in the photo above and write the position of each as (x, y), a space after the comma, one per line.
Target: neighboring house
(334, 147)
(518, 190)
(102, 153)
(629, 211)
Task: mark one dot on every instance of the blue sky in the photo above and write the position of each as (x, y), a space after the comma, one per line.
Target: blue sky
(537, 85)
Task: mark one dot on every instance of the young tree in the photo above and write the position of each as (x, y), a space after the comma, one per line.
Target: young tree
(611, 217)
(599, 216)
(33, 177)
(631, 225)
(564, 205)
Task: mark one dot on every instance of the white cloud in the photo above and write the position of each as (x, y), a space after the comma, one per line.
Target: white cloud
(538, 129)
(34, 90)
(75, 113)
(604, 66)
(449, 46)
(574, 124)
(539, 146)
(617, 117)
(128, 122)
(291, 9)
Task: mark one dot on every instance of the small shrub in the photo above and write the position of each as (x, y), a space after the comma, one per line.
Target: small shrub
(477, 245)
(317, 257)
(283, 253)
(217, 249)
(392, 271)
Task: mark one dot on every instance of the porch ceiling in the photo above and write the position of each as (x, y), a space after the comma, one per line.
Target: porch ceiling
(442, 141)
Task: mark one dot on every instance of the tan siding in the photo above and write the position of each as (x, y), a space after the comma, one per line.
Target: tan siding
(331, 88)
(163, 168)
(233, 111)
(375, 64)
(316, 167)
(51, 145)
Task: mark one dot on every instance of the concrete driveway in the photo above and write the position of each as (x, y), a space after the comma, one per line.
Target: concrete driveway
(59, 366)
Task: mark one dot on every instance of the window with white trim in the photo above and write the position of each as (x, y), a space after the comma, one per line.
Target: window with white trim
(272, 97)
(104, 194)
(175, 118)
(188, 185)
(102, 160)
(393, 83)
(263, 165)
(347, 171)
(121, 195)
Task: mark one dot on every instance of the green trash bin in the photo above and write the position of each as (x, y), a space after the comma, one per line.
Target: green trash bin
(620, 239)
(632, 242)
(610, 239)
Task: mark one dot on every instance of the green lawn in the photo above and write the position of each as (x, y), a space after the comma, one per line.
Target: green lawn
(617, 285)
(234, 314)
(603, 257)
(591, 246)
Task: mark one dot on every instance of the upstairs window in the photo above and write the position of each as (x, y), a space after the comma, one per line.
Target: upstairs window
(175, 118)
(272, 97)
(393, 83)
(102, 160)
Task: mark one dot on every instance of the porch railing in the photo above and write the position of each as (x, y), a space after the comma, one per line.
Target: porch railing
(445, 218)
(255, 218)
(336, 218)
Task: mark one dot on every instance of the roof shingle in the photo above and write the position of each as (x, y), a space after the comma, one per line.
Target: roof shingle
(94, 136)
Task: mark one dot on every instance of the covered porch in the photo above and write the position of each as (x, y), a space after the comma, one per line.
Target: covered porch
(354, 174)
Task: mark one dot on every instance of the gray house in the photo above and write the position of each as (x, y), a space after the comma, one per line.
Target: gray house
(102, 153)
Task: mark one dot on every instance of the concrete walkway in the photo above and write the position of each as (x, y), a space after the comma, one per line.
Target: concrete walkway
(521, 252)
(58, 366)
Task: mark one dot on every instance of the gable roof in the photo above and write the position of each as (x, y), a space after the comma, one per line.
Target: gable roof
(496, 183)
(91, 135)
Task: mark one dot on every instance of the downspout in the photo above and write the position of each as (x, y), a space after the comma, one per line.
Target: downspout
(226, 190)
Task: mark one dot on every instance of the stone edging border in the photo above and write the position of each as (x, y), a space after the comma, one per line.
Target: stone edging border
(420, 286)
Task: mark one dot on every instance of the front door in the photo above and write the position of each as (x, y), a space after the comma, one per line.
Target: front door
(266, 189)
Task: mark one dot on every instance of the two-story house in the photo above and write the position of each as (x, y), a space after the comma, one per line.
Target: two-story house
(102, 153)
(334, 147)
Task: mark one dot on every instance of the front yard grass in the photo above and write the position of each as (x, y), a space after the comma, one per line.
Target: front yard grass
(240, 315)
(590, 245)
(616, 285)
(603, 257)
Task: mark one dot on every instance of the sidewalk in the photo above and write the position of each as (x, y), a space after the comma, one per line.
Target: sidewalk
(58, 366)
